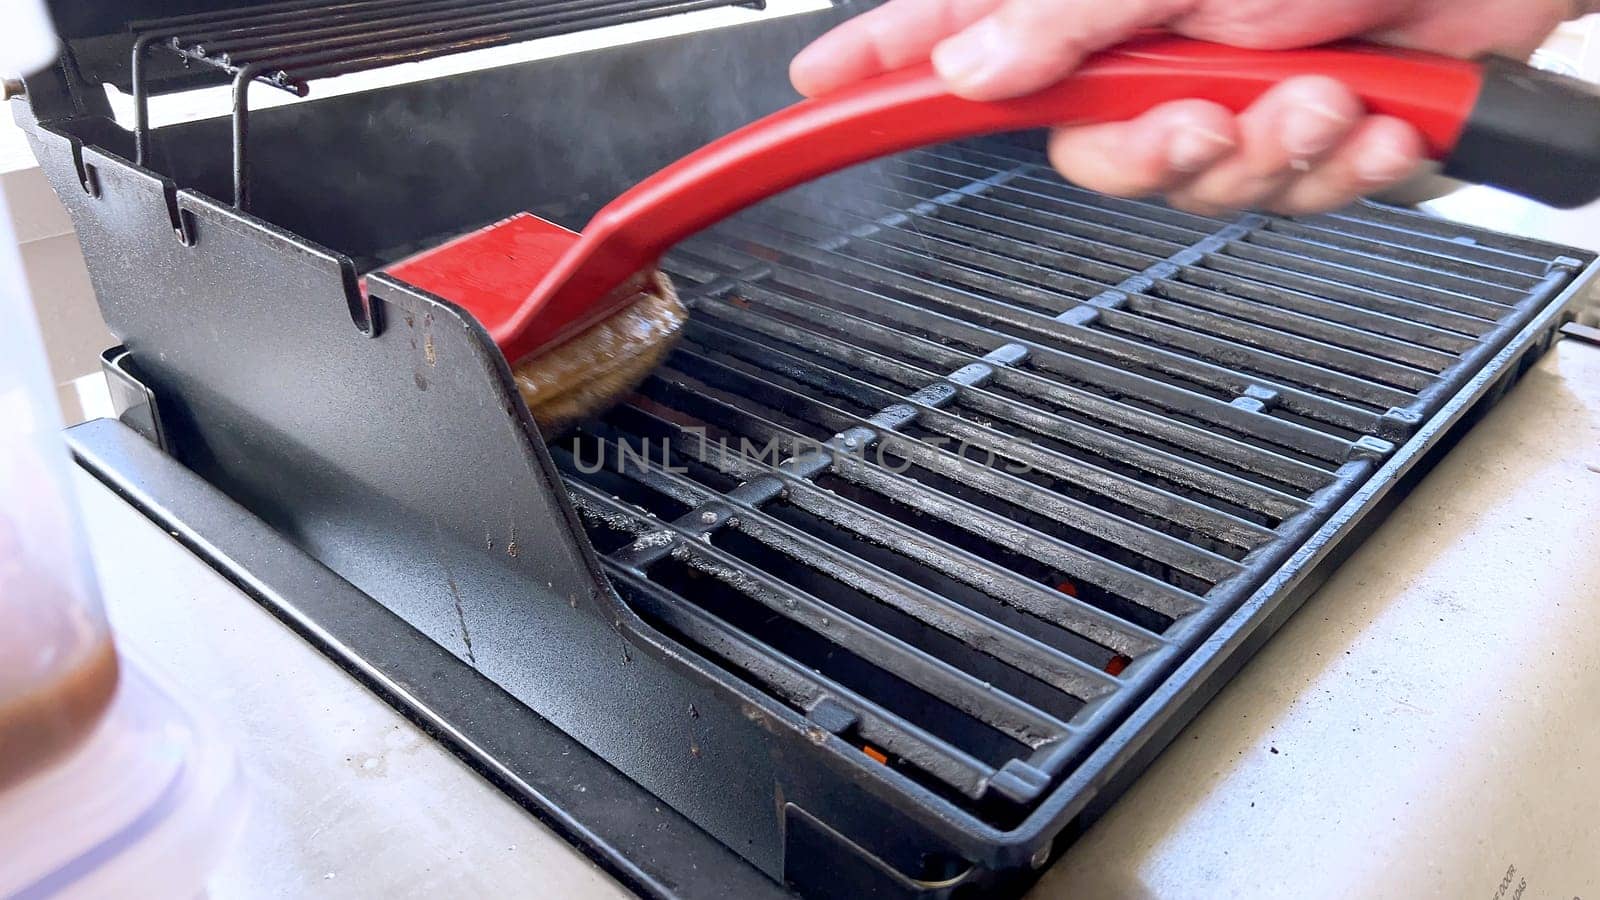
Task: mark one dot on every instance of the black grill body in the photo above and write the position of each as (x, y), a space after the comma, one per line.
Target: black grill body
(965, 491)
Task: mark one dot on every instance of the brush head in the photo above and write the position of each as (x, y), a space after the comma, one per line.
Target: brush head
(493, 272)
(590, 372)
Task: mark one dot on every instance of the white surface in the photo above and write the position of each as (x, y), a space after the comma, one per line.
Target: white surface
(74, 332)
(1431, 708)
(347, 798)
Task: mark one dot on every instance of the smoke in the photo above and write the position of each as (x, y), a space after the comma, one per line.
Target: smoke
(382, 173)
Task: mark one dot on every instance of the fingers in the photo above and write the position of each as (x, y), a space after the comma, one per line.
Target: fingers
(1024, 45)
(991, 49)
(1155, 153)
(1283, 136)
(984, 49)
(892, 36)
(1382, 152)
(1306, 146)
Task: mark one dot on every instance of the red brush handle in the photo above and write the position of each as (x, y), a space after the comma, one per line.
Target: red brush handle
(912, 108)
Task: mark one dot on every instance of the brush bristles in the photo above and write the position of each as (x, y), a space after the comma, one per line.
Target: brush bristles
(588, 374)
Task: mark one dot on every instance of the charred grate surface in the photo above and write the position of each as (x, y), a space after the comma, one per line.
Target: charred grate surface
(959, 461)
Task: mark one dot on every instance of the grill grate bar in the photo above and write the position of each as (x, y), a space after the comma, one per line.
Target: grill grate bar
(1148, 293)
(1401, 236)
(1071, 208)
(1417, 266)
(960, 221)
(1105, 444)
(1116, 382)
(1505, 269)
(1341, 326)
(257, 40)
(923, 408)
(1378, 381)
(291, 10)
(1023, 723)
(1390, 337)
(925, 282)
(873, 436)
(1049, 551)
(1394, 343)
(1104, 229)
(1438, 237)
(826, 702)
(1377, 270)
(712, 511)
(1219, 272)
(213, 35)
(1132, 292)
(1037, 177)
(1048, 604)
(1154, 236)
(1369, 277)
(1466, 281)
(970, 246)
(1449, 330)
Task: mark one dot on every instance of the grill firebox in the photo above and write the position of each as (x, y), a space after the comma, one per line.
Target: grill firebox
(959, 460)
(964, 491)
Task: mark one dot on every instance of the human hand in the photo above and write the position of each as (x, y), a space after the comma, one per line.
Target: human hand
(1306, 146)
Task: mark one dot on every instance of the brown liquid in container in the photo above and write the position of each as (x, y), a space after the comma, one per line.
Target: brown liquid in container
(46, 720)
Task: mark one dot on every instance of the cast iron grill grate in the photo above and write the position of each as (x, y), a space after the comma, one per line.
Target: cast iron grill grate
(961, 483)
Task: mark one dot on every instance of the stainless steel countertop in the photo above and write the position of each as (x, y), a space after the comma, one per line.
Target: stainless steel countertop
(1423, 726)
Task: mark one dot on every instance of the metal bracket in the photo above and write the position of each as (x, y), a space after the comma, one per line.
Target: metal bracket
(88, 178)
(1585, 333)
(133, 402)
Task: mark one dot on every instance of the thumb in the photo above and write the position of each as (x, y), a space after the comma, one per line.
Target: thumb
(1025, 45)
(897, 34)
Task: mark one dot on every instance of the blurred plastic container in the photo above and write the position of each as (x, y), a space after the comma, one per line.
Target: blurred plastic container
(107, 787)
(143, 806)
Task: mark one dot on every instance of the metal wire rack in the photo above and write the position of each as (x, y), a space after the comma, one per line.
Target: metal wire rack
(287, 45)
